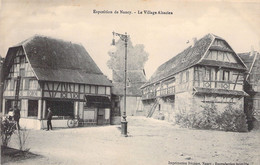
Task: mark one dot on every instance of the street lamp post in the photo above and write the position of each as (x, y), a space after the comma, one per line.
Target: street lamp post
(123, 37)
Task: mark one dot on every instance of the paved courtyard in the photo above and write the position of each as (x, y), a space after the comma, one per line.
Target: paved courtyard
(150, 142)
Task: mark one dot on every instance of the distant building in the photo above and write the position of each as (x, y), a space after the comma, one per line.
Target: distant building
(56, 74)
(135, 79)
(209, 71)
(252, 84)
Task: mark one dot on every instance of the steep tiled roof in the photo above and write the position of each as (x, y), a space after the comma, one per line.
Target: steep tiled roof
(186, 58)
(57, 60)
(191, 56)
(248, 58)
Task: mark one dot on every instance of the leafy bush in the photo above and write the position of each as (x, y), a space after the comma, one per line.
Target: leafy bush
(7, 130)
(233, 120)
(187, 120)
(206, 119)
(209, 118)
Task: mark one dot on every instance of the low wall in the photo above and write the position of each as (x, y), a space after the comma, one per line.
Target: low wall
(41, 124)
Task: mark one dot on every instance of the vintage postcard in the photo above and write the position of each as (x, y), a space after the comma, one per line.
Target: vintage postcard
(130, 82)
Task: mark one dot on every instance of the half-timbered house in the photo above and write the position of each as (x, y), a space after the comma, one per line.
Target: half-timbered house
(252, 86)
(208, 71)
(57, 74)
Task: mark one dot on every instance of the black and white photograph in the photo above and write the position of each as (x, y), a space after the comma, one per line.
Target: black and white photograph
(140, 82)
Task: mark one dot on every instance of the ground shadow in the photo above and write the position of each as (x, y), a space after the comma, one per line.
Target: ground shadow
(13, 155)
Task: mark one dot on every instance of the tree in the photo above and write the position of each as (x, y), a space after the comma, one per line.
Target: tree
(136, 56)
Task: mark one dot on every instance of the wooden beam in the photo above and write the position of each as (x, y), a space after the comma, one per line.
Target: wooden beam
(236, 82)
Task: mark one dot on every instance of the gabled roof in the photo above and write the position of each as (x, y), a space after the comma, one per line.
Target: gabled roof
(191, 56)
(250, 59)
(58, 60)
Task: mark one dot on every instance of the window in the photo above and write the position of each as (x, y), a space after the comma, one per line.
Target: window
(22, 62)
(213, 74)
(207, 74)
(226, 76)
(32, 107)
(33, 84)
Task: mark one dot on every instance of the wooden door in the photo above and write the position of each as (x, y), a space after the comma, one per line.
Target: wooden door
(101, 116)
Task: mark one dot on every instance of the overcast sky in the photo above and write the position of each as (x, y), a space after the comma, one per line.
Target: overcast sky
(162, 35)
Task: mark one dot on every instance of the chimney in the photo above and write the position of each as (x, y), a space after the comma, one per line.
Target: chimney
(252, 51)
(194, 40)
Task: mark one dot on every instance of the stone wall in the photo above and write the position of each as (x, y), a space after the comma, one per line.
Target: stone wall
(220, 102)
(165, 109)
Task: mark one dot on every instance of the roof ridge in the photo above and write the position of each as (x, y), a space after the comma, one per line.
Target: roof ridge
(191, 56)
(24, 42)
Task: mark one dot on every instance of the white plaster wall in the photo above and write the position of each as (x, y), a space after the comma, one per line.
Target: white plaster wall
(41, 124)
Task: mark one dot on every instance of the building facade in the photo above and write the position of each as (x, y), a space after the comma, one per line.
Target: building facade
(208, 71)
(135, 79)
(57, 74)
(252, 86)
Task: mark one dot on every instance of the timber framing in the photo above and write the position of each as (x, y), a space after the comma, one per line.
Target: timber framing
(58, 74)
